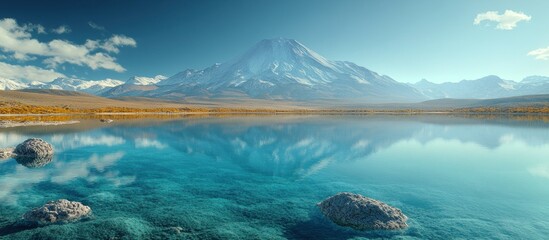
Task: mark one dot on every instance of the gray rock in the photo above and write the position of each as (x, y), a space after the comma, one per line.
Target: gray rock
(106, 120)
(6, 153)
(362, 213)
(33, 147)
(33, 153)
(59, 211)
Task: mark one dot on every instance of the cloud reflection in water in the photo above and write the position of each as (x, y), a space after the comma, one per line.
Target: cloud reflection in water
(92, 169)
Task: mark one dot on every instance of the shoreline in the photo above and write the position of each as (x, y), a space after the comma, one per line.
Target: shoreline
(275, 112)
(10, 123)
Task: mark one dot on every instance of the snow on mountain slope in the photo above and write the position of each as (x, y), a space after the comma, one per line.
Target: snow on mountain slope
(286, 69)
(135, 80)
(535, 80)
(483, 88)
(534, 85)
(128, 90)
(135, 86)
(72, 84)
(8, 84)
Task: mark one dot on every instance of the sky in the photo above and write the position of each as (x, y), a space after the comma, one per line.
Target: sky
(441, 41)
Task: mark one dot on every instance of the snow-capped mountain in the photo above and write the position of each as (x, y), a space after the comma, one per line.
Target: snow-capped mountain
(128, 90)
(286, 69)
(134, 86)
(535, 80)
(484, 88)
(73, 84)
(8, 84)
(143, 81)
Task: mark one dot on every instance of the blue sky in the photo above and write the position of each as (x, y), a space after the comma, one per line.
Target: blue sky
(407, 40)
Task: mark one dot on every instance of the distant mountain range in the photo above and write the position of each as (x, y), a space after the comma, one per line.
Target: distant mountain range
(68, 84)
(284, 69)
(279, 69)
(484, 88)
(8, 84)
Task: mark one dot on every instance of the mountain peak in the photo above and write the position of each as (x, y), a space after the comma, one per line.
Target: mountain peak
(535, 79)
(282, 68)
(136, 80)
(280, 42)
(491, 77)
(8, 84)
(279, 55)
(424, 81)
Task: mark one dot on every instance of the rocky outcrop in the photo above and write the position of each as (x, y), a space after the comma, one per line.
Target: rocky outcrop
(33, 147)
(59, 211)
(33, 153)
(6, 153)
(362, 213)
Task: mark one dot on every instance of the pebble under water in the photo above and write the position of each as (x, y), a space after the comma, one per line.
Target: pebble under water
(261, 177)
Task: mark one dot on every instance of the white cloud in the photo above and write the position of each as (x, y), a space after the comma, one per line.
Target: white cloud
(116, 41)
(62, 51)
(22, 57)
(112, 44)
(506, 21)
(95, 26)
(540, 53)
(35, 27)
(27, 73)
(18, 40)
(62, 29)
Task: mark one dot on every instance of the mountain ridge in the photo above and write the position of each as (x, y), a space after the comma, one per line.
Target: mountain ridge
(487, 87)
(285, 69)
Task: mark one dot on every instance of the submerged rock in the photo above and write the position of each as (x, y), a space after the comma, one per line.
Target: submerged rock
(362, 213)
(106, 120)
(33, 153)
(59, 211)
(6, 153)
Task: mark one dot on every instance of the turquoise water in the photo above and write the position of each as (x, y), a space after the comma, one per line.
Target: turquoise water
(260, 177)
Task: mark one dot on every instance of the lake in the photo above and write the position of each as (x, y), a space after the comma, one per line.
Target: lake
(260, 177)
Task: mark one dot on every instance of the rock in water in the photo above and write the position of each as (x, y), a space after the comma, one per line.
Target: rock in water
(59, 211)
(6, 153)
(362, 213)
(33, 153)
(34, 147)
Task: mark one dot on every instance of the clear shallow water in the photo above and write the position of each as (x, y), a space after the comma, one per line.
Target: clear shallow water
(260, 177)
